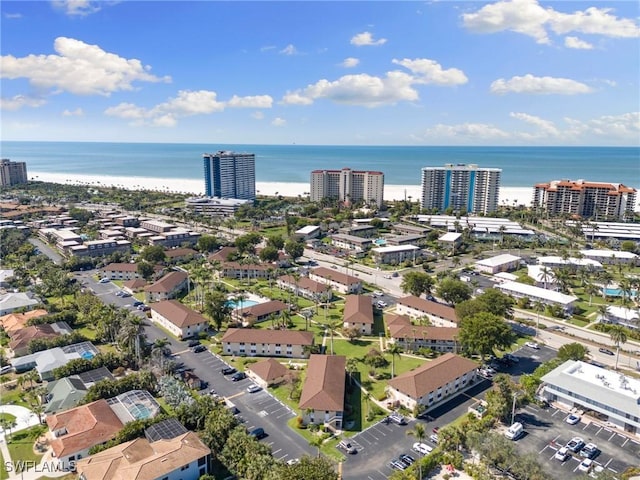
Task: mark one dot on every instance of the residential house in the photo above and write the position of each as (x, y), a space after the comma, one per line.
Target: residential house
(223, 254)
(451, 240)
(17, 321)
(338, 281)
(308, 232)
(414, 337)
(358, 313)
(499, 263)
(439, 315)
(10, 302)
(46, 361)
(322, 397)
(433, 383)
(270, 343)
(537, 294)
(167, 287)
(20, 339)
(64, 394)
(180, 320)
(259, 312)
(6, 275)
(267, 372)
(305, 287)
(120, 271)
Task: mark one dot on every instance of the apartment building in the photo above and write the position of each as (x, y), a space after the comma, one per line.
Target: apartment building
(348, 186)
(12, 173)
(322, 397)
(596, 200)
(230, 175)
(268, 343)
(461, 187)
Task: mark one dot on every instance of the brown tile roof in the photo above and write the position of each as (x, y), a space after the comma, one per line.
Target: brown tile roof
(429, 307)
(135, 284)
(395, 319)
(254, 335)
(324, 384)
(269, 369)
(86, 426)
(335, 276)
(358, 309)
(244, 266)
(120, 267)
(305, 283)
(177, 313)
(168, 283)
(21, 338)
(179, 252)
(422, 332)
(223, 254)
(141, 460)
(261, 309)
(432, 375)
(16, 321)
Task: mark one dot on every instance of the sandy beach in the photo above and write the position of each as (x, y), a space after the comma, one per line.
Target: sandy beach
(508, 195)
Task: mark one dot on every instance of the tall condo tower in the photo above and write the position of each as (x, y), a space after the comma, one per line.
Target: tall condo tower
(348, 185)
(230, 175)
(461, 187)
(12, 173)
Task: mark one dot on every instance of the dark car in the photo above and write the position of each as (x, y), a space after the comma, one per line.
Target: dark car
(228, 370)
(199, 348)
(407, 459)
(193, 343)
(137, 302)
(258, 433)
(238, 376)
(605, 351)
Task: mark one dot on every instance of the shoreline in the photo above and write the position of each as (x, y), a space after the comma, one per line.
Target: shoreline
(521, 195)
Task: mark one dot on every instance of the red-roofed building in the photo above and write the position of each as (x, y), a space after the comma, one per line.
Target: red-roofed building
(438, 314)
(339, 281)
(322, 397)
(358, 313)
(167, 287)
(178, 319)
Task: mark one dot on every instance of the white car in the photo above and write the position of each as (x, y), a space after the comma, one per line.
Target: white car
(377, 293)
(562, 454)
(434, 438)
(422, 448)
(253, 388)
(533, 345)
(572, 419)
(104, 280)
(585, 465)
(293, 461)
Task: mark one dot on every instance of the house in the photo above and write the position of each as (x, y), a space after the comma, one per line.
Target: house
(134, 286)
(305, 287)
(542, 277)
(610, 257)
(271, 343)
(308, 232)
(322, 397)
(17, 321)
(364, 231)
(411, 229)
(414, 337)
(537, 294)
(180, 320)
(10, 302)
(168, 287)
(267, 372)
(64, 394)
(433, 383)
(46, 361)
(6, 275)
(341, 282)
(450, 239)
(20, 339)
(184, 457)
(358, 313)
(395, 254)
(405, 240)
(75, 431)
(222, 255)
(259, 312)
(177, 255)
(499, 263)
(439, 315)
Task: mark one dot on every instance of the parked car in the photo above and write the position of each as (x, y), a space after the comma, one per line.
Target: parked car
(104, 280)
(575, 444)
(199, 348)
(258, 433)
(422, 448)
(236, 377)
(562, 454)
(434, 438)
(125, 295)
(397, 464)
(590, 450)
(137, 303)
(253, 388)
(228, 370)
(347, 447)
(293, 461)
(533, 345)
(396, 417)
(119, 293)
(606, 351)
(407, 459)
(585, 465)
(572, 419)
(193, 343)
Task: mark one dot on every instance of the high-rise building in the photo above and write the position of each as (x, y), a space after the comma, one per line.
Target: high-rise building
(12, 173)
(347, 185)
(588, 199)
(461, 187)
(230, 175)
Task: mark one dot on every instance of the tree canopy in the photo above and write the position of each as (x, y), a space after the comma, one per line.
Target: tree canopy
(482, 332)
(454, 291)
(417, 283)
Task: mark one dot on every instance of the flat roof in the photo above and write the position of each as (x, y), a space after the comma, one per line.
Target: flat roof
(450, 237)
(530, 290)
(308, 229)
(394, 248)
(499, 260)
(608, 254)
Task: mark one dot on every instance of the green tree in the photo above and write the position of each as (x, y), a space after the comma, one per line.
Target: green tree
(618, 335)
(309, 468)
(628, 246)
(394, 350)
(294, 249)
(275, 241)
(218, 426)
(469, 308)
(217, 307)
(417, 283)
(454, 291)
(153, 254)
(572, 351)
(497, 302)
(483, 332)
(269, 254)
(145, 269)
(208, 243)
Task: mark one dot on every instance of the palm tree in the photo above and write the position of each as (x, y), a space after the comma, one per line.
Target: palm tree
(618, 335)
(352, 368)
(591, 290)
(316, 441)
(538, 306)
(420, 433)
(394, 349)
(603, 311)
(546, 274)
(7, 425)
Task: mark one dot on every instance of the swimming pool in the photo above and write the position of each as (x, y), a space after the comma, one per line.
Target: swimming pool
(380, 241)
(140, 411)
(617, 292)
(245, 303)
(87, 355)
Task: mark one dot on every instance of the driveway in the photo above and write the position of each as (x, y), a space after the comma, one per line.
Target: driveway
(45, 249)
(24, 417)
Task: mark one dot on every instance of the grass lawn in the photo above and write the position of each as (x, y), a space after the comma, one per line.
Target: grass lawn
(12, 396)
(8, 417)
(328, 448)
(3, 471)
(88, 332)
(21, 444)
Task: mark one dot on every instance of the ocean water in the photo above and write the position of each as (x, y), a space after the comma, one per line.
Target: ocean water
(521, 166)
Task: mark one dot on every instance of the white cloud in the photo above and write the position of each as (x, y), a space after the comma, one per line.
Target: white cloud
(278, 122)
(366, 39)
(546, 127)
(350, 62)
(625, 126)
(575, 42)
(289, 50)
(128, 111)
(12, 16)
(257, 115)
(466, 132)
(257, 101)
(79, 68)
(431, 72)
(529, 18)
(266, 48)
(78, 112)
(19, 101)
(80, 8)
(539, 86)
(296, 98)
(189, 102)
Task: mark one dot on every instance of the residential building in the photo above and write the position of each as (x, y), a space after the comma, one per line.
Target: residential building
(613, 396)
(134, 286)
(322, 397)
(179, 319)
(245, 270)
(348, 186)
(20, 339)
(46, 361)
(406, 229)
(573, 263)
(340, 282)
(433, 383)
(12, 173)
(351, 242)
(120, 271)
(395, 254)
(363, 231)
(610, 257)
(10, 302)
(184, 457)
(270, 343)
(500, 263)
(216, 207)
(543, 277)
(177, 255)
(6, 275)
(398, 240)
(230, 175)
(174, 238)
(598, 200)
(259, 312)
(305, 287)
(451, 239)
(461, 187)
(167, 287)
(414, 337)
(358, 313)
(308, 232)
(267, 372)
(223, 254)
(16, 321)
(438, 314)
(68, 392)
(537, 294)
(627, 317)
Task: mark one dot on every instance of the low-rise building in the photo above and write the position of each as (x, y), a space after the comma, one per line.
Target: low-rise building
(414, 337)
(10, 302)
(322, 397)
(68, 392)
(270, 343)
(395, 254)
(338, 281)
(120, 271)
(20, 339)
(16, 321)
(500, 263)
(406, 229)
(167, 287)
(358, 313)
(542, 276)
(433, 383)
(267, 372)
(537, 294)
(308, 232)
(174, 238)
(351, 242)
(305, 287)
(364, 231)
(450, 239)
(610, 257)
(242, 270)
(179, 319)
(259, 313)
(439, 315)
(405, 240)
(554, 261)
(134, 286)
(214, 206)
(46, 361)
(627, 317)
(177, 255)
(98, 248)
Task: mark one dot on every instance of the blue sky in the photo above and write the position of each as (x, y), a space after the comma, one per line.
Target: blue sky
(512, 72)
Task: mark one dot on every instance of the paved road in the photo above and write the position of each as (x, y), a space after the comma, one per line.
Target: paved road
(54, 256)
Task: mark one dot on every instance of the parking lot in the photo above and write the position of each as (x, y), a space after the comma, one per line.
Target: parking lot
(546, 431)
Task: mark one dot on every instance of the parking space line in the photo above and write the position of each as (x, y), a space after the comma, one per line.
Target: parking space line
(607, 464)
(613, 435)
(624, 443)
(279, 450)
